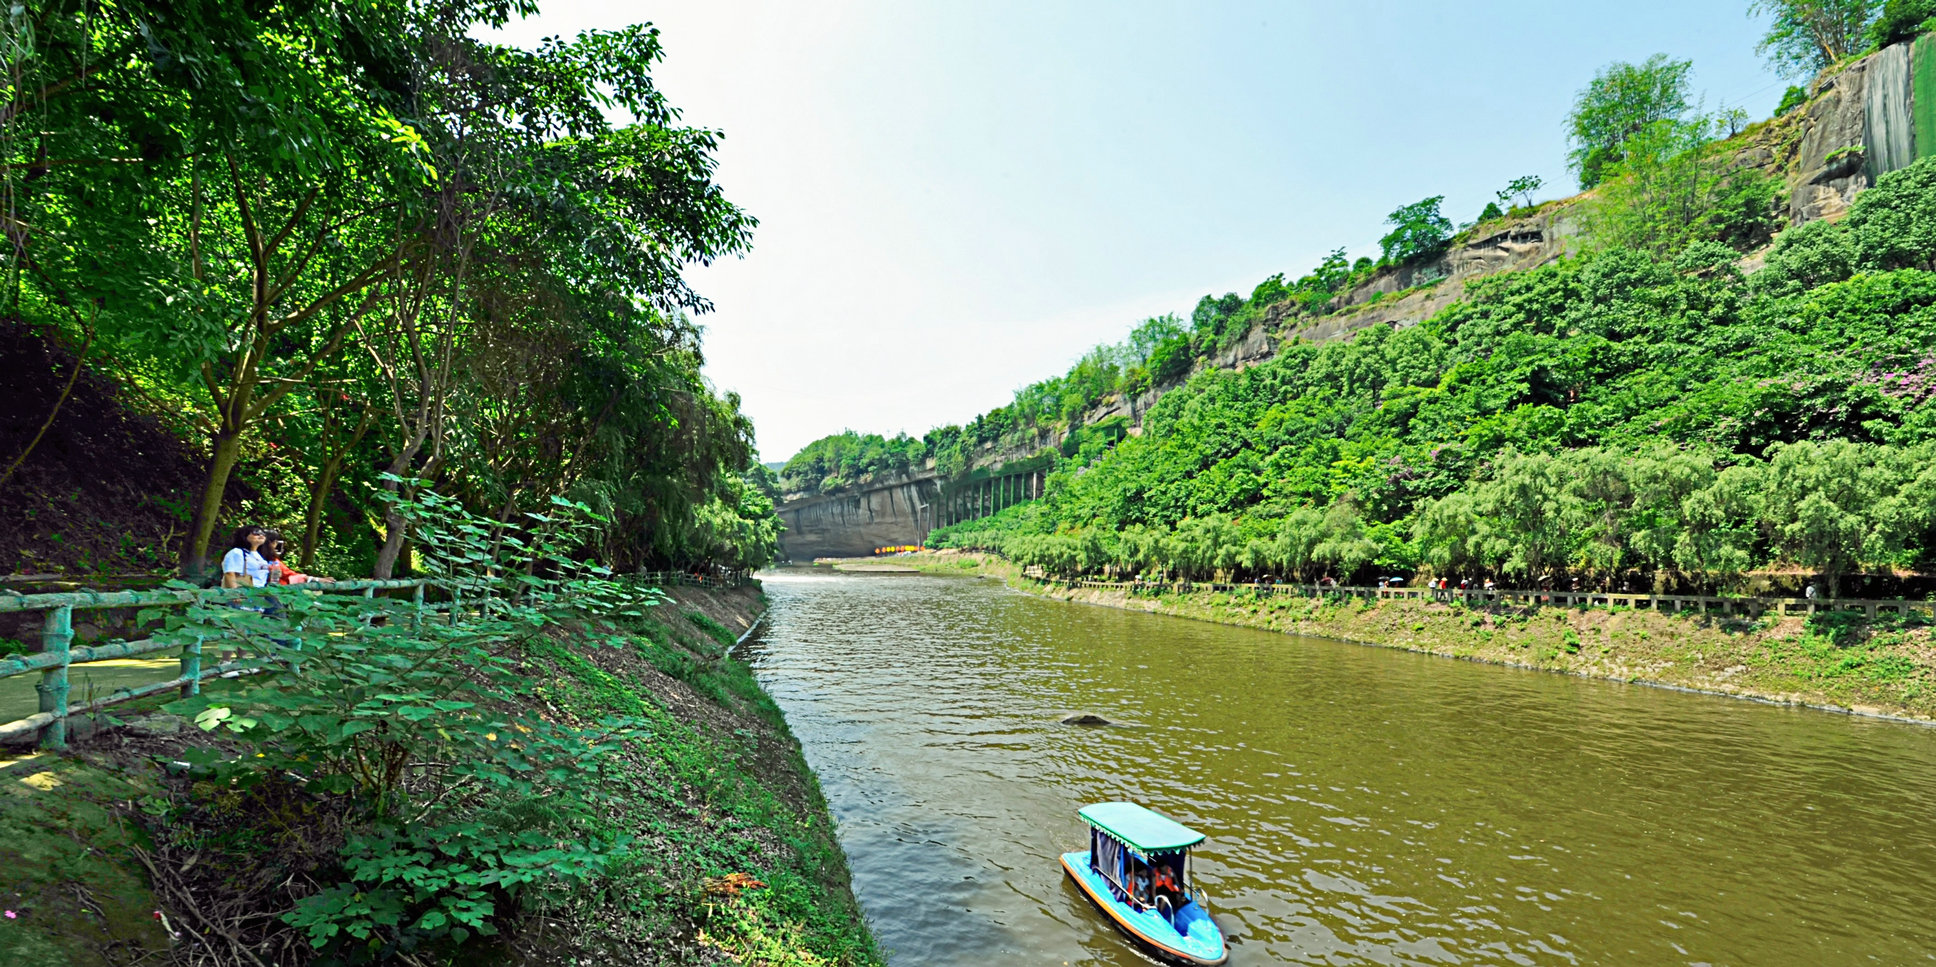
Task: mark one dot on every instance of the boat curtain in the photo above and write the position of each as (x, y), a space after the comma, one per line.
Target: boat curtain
(1108, 855)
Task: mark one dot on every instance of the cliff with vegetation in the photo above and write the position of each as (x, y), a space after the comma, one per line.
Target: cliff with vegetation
(1713, 368)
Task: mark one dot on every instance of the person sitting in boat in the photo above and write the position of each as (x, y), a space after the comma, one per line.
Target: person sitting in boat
(1141, 880)
(1169, 896)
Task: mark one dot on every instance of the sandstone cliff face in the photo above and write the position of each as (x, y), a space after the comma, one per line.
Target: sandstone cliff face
(1829, 168)
(854, 522)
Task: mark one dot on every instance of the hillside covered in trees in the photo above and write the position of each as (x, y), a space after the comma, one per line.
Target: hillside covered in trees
(1694, 392)
(303, 255)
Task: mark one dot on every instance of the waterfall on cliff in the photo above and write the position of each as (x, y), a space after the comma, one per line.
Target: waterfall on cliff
(1889, 138)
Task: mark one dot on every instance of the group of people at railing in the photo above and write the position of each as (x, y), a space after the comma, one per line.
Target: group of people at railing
(257, 558)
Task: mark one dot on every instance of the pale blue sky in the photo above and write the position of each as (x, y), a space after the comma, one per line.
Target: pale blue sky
(958, 199)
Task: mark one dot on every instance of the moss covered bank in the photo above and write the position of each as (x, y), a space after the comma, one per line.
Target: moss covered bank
(1842, 662)
(733, 857)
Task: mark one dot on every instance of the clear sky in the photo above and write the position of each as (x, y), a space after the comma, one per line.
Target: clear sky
(957, 199)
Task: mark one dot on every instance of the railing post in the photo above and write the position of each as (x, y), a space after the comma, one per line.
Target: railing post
(55, 637)
(191, 668)
(417, 598)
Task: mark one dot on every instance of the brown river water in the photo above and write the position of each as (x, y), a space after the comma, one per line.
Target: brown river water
(1364, 805)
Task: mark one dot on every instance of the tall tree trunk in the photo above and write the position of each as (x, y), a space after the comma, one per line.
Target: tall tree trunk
(395, 528)
(221, 462)
(313, 518)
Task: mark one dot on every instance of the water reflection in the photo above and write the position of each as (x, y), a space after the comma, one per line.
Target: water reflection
(1364, 805)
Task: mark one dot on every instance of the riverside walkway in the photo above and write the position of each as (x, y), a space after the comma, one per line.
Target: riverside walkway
(1747, 606)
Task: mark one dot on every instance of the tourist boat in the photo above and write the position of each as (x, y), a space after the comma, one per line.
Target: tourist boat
(1129, 847)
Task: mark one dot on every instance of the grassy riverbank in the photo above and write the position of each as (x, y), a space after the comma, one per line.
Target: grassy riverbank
(1844, 662)
(732, 860)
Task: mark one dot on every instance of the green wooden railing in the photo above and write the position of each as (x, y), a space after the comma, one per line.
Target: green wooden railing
(58, 654)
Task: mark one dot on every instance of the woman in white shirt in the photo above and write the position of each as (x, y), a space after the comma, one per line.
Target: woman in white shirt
(244, 566)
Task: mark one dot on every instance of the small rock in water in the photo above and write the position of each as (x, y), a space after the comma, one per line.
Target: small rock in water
(1085, 718)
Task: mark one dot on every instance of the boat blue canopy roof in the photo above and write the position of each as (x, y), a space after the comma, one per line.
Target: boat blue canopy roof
(1141, 828)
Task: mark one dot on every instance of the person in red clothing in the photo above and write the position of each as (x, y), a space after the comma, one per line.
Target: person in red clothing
(1167, 896)
(1164, 882)
(279, 570)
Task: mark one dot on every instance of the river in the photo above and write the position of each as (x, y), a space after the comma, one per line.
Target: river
(1363, 805)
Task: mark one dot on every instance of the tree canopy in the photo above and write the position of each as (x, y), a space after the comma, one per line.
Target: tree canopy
(1805, 36)
(331, 241)
(1620, 102)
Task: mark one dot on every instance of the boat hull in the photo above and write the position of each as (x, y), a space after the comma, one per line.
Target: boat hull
(1202, 946)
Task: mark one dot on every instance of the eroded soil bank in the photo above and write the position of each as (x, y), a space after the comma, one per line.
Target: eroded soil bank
(1885, 666)
(734, 858)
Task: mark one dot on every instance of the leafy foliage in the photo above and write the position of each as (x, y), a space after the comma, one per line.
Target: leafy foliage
(1620, 102)
(1673, 184)
(412, 721)
(1894, 222)
(1417, 230)
(1614, 417)
(1794, 97)
(1805, 36)
(329, 242)
(1902, 20)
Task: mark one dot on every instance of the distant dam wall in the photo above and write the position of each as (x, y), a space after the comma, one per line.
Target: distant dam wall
(901, 510)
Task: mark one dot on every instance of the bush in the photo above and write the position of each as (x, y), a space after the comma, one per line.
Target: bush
(1804, 257)
(1794, 97)
(1902, 20)
(1745, 211)
(1894, 222)
(413, 728)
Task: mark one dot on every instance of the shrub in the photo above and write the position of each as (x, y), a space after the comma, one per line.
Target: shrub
(1902, 20)
(1806, 256)
(412, 727)
(1894, 222)
(1794, 97)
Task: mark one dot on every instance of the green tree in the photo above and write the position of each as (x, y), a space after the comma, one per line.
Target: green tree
(1805, 36)
(1294, 548)
(1620, 102)
(1417, 230)
(1830, 506)
(1719, 539)
(1671, 186)
(1806, 256)
(1901, 20)
(1521, 188)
